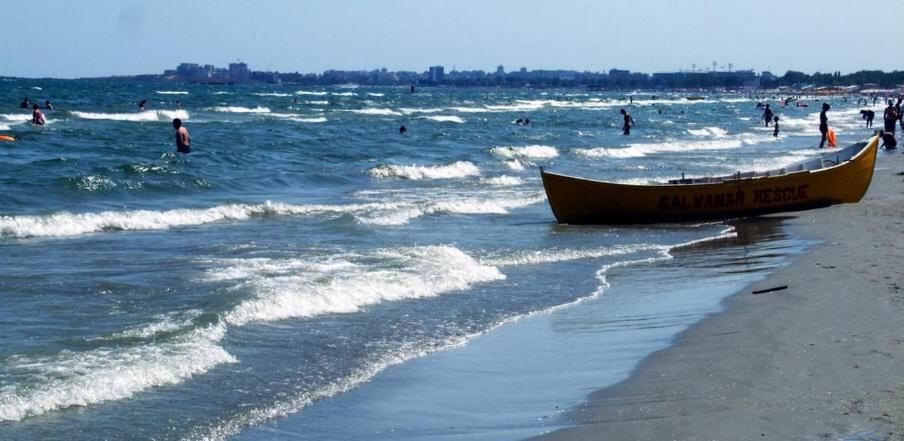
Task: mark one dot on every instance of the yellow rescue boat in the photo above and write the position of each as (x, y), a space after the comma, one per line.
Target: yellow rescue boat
(840, 176)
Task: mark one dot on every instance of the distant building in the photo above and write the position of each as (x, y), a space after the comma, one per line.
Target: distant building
(436, 74)
(500, 70)
(188, 70)
(239, 72)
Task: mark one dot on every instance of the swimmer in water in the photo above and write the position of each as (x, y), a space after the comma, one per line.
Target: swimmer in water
(47, 105)
(775, 132)
(141, 105)
(37, 117)
(183, 140)
(402, 130)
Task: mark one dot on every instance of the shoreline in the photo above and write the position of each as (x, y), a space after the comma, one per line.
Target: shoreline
(821, 359)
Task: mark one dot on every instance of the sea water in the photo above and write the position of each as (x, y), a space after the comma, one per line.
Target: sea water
(305, 254)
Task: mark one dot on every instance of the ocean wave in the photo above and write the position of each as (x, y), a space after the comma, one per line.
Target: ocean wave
(375, 111)
(276, 94)
(84, 378)
(502, 181)
(389, 275)
(4, 127)
(560, 255)
(514, 165)
(308, 120)
(375, 94)
(445, 118)
(458, 169)
(148, 115)
(65, 224)
(410, 110)
(404, 213)
(236, 109)
(16, 116)
(171, 92)
(530, 151)
(309, 92)
(709, 132)
(641, 150)
(343, 93)
(318, 103)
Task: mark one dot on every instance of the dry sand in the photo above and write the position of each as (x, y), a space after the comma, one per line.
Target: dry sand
(821, 360)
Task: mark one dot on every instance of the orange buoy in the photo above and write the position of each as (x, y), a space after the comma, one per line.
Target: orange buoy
(832, 138)
(6, 138)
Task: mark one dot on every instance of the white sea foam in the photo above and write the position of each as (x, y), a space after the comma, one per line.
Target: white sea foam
(343, 93)
(503, 181)
(563, 255)
(409, 110)
(318, 103)
(277, 94)
(640, 150)
(389, 275)
(311, 92)
(458, 169)
(530, 151)
(171, 92)
(375, 94)
(445, 118)
(709, 132)
(4, 127)
(222, 92)
(514, 165)
(404, 213)
(375, 111)
(148, 115)
(64, 224)
(236, 109)
(308, 120)
(16, 116)
(164, 323)
(106, 374)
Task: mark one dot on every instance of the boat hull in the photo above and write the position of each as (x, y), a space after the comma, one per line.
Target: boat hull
(582, 201)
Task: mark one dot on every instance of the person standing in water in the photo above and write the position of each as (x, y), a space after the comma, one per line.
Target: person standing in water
(891, 118)
(824, 123)
(868, 115)
(183, 140)
(629, 122)
(900, 113)
(775, 132)
(141, 105)
(37, 117)
(767, 115)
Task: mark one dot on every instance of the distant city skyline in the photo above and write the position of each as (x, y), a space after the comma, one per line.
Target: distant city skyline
(58, 38)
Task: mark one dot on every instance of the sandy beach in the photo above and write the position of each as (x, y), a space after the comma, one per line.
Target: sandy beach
(822, 359)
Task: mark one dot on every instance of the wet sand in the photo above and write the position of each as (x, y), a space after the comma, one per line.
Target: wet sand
(820, 360)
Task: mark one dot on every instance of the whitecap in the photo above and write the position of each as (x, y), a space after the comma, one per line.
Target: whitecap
(236, 109)
(445, 118)
(171, 92)
(530, 151)
(458, 169)
(148, 115)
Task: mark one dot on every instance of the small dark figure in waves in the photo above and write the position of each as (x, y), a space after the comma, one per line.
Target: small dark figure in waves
(868, 115)
(767, 115)
(403, 130)
(47, 105)
(628, 122)
(824, 124)
(775, 132)
(141, 105)
(24, 104)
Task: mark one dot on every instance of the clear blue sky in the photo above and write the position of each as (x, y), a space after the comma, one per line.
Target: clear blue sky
(73, 38)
